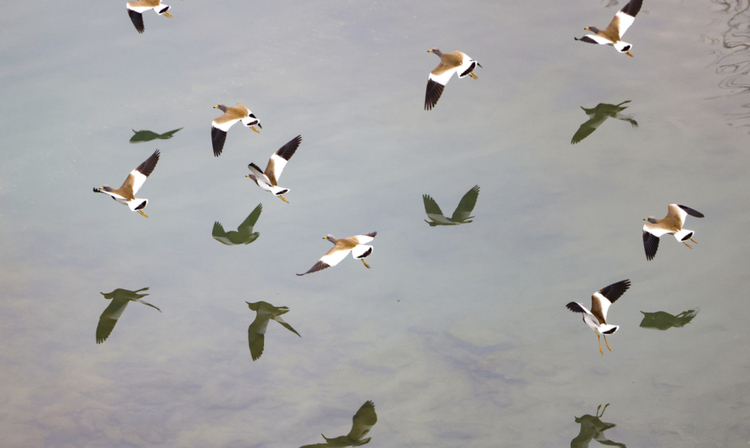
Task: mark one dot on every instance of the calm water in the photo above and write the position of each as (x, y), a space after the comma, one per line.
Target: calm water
(458, 334)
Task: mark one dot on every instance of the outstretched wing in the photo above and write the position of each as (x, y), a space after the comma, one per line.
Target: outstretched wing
(278, 160)
(466, 205)
(650, 244)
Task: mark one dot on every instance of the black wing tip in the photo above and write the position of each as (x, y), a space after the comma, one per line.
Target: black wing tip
(434, 91)
(137, 19)
(319, 266)
(574, 307)
(650, 245)
(218, 137)
(615, 290)
(373, 234)
(691, 211)
(632, 8)
(586, 39)
(287, 151)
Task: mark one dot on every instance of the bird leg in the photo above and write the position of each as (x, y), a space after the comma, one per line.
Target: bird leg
(600, 343)
(691, 239)
(141, 212)
(282, 198)
(629, 54)
(687, 244)
(473, 75)
(602, 414)
(605, 341)
(253, 128)
(363, 262)
(168, 14)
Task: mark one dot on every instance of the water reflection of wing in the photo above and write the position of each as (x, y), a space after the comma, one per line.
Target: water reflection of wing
(363, 421)
(220, 235)
(256, 335)
(593, 428)
(466, 206)
(589, 126)
(433, 210)
(246, 228)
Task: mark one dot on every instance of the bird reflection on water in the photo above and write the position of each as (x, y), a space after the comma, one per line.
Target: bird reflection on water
(661, 320)
(244, 233)
(256, 332)
(120, 299)
(362, 422)
(592, 428)
(460, 216)
(598, 115)
(147, 136)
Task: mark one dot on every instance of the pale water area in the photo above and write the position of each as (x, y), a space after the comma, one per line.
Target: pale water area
(458, 334)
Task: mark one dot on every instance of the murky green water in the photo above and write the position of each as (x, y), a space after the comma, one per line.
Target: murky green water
(458, 334)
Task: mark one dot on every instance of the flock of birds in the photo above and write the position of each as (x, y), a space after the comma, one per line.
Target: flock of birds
(457, 63)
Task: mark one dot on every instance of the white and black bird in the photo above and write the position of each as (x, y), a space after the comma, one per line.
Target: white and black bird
(596, 319)
(672, 224)
(362, 422)
(126, 193)
(137, 8)
(120, 299)
(450, 63)
(357, 245)
(220, 125)
(612, 35)
(268, 179)
(256, 332)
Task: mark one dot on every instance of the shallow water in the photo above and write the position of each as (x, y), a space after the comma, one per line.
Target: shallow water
(458, 334)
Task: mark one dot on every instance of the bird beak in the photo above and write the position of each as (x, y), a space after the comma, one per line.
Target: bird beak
(282, 198)
(629, 54)
(587, 28)
(247, 175)
(645, 219)
(141, 212)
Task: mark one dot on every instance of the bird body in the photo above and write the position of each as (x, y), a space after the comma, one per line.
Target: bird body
(137, 8)
(670, 224)
(341, 247)
(450, 63)
(612, 35)
(135, 180)
(268, 179)
(362, 423)
(601, 300)
(220, 125)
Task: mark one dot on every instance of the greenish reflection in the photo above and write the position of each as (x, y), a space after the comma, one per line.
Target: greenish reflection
(599, 115)
(147, 136)
(362, 422)
(120, 299)
(592, 428)
(460, 215)
(256, 332)
(661, 320)
(244, 233)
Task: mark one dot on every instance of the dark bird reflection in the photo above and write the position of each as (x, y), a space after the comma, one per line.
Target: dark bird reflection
(256, 332)
(599, 115)
(147, 136)
(244, 233)
(593, 428)
(362, 422)
(661, 320)
(460, 215)
(120, 299)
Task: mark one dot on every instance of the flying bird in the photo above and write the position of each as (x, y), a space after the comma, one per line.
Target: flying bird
(460, 216)
(256, 332)
(126, 193)
(137, 8)
(612, 35)
(362, 422)
(120, 299)
(244, 233)
(341, 247)
(450, 63)
(596, 319)
(672, 224)
(220, 125)
(268, 179)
